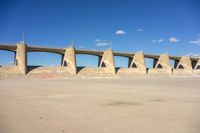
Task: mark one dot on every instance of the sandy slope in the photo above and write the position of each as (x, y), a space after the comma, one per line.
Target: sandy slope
(136, 105)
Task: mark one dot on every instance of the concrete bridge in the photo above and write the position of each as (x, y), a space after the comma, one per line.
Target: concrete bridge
(136, 61)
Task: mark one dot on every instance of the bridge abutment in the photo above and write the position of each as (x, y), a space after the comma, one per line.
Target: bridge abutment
(21, 58)
(69, 60)
(161, 65)
(107, 61)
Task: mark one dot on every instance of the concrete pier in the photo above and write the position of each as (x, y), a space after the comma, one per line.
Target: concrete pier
(138, 62)
(184, 65)
(69, 60)
(196, 68)
(107, 61)
(161, 65)
(136, 65)
(21, 58)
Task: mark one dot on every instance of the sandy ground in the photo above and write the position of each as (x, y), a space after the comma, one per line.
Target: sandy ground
(136, 105)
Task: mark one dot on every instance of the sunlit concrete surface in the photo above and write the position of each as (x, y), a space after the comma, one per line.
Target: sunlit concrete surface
(109, 105)
(136, 61)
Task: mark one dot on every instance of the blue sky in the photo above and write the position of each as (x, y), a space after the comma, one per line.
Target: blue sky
(156, 26)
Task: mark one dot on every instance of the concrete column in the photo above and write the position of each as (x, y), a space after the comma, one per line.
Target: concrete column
(197, 66)
(21, 58)
(138, 61)
(107, 61)
(69, 60)
(185, 62)
(164, 63)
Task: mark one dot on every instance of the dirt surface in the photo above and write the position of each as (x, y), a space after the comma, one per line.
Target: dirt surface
(112, 105)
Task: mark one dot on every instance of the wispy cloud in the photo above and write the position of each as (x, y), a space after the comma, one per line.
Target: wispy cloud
(11, 62)
(102, 43)
(41, 54)
(120, 32)
(173, 39)
(82, 46)
(98, 40)
(194, 54)
(158, 41)
(140, 30)
(197, 42)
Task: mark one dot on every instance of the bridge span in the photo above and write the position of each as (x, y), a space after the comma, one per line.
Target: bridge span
(136, 60)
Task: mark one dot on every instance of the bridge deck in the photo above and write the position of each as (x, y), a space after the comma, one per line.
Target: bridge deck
(91, 52)
(8, 47)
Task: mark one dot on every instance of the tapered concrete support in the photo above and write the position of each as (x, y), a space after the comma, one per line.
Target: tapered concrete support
(69, 60)
(161, 65)
(21, 58)
(138, 62)
(196, 67)
(164, 63)
(136, 65)
(107, 61)
(185, 63)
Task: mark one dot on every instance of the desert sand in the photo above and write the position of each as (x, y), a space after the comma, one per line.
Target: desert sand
(92, 105)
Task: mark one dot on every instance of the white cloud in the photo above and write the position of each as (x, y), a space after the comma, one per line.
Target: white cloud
(41, 54)
(82, 46)
(197, 42)
(193, 54)
(98, 40)
(120, 32)
(102, 43)
(158, 41)
(154, 41)
(173, 39)
(140, 30)
(11, 62)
